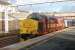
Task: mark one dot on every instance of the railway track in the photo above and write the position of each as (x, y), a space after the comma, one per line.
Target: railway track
(31, 42)
(8, 40)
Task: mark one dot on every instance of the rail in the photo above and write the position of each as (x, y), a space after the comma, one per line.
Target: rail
(30, 42)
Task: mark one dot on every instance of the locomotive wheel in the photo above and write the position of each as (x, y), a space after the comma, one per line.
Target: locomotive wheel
(27, 36)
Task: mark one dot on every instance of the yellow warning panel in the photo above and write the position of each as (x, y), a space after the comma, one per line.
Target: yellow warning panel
(28, 26)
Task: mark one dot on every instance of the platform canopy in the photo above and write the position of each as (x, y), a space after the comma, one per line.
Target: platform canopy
(6, 2)
(22, 2)
(47, 5)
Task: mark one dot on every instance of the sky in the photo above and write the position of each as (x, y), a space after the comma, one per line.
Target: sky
(46, 7)
(34, 1)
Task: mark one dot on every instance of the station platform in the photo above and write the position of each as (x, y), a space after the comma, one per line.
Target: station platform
(59, 40)
(65, 40)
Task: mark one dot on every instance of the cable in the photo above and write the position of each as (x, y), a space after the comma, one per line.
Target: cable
(48, 2)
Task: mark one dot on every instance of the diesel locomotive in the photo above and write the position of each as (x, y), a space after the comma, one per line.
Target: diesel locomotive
(38, 24)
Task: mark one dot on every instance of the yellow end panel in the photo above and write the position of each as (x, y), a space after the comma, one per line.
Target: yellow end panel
(28, 26)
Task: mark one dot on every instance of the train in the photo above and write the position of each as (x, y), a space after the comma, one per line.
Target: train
(39, 24)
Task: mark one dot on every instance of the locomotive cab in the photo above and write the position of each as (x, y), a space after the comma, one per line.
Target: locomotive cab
(42, 22)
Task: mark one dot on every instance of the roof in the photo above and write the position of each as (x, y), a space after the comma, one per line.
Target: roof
(4, 2)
